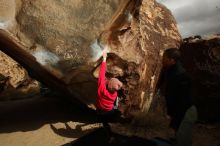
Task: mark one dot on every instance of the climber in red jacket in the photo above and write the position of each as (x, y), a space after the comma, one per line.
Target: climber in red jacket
(107, 89)
(107, 95)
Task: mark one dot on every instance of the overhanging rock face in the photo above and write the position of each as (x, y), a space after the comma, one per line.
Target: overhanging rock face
(65, 37)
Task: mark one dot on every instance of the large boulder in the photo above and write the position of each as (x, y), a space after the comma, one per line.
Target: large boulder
(201, 57)
(67, 38)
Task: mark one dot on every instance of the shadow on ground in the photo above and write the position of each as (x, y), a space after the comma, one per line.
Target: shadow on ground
(70, 132)
(101, 137)
(31, 114)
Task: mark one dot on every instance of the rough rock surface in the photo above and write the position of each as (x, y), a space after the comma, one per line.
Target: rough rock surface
(8, 67)
(62, 34)
(19, 84)
(201, 57)
(12, 69)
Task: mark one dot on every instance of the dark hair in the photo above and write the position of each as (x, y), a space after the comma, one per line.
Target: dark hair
(173, 53)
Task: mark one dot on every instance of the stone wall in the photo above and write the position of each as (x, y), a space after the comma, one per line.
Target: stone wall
(201, 57)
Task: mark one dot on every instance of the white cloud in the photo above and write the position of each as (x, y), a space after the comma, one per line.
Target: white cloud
(195, 17)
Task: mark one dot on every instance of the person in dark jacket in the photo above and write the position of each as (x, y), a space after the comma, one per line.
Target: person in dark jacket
(176, 86)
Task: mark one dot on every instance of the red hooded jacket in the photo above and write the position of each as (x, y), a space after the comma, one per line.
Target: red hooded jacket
(106, 99)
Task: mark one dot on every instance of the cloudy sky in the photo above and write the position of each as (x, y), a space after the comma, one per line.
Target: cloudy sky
(195, 17)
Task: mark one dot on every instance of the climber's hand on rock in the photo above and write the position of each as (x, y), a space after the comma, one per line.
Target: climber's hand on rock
(104, 55)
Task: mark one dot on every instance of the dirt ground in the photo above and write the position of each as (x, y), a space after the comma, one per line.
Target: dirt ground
(43, 122)
(56, 121)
